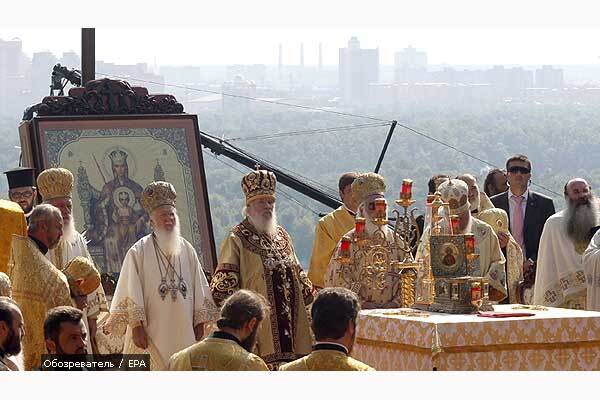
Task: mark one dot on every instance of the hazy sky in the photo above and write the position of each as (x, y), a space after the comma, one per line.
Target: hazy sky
(175, 32)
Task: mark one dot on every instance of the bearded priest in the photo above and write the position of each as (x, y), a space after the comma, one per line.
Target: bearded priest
(258, 255)
(560, 277)
(162, 300)
(56, 187)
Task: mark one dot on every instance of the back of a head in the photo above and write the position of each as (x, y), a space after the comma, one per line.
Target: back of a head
(347, 179)
(431, 184)
(42, 213)
(7, 307)
(331, 311)
(5, 285)
(489, 180)
(58, 315)
(241, 307)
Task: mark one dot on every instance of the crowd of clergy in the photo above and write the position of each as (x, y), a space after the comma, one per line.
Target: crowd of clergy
(260, 310)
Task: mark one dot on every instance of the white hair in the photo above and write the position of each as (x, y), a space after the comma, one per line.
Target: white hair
(42, 213)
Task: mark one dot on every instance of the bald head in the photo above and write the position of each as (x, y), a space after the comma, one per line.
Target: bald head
(578, 191)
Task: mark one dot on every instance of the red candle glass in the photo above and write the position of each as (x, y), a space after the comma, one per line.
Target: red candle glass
(406, 191)
(380, 208)
(345, 247)
(470, 243)
(454, 221)
(475, 293)
(359, 225)
(430, 198)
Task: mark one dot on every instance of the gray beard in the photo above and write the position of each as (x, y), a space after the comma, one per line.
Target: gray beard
(581, 218)
(263, 225)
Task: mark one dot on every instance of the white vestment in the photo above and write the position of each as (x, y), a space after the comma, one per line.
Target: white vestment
(60, 256)
(559, 279)
(591, 265)
(169, 323)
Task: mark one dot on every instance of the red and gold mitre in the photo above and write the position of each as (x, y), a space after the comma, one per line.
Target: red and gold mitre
(259, 184)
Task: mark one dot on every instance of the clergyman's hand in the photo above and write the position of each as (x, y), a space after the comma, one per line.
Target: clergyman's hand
(140, 339)
(503, 239)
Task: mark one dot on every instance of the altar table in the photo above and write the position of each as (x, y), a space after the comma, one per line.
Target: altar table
(552, 339)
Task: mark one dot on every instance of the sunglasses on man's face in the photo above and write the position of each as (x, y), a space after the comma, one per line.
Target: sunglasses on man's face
(522, 170)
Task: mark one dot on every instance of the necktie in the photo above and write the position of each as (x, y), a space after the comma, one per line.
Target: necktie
(518, 222)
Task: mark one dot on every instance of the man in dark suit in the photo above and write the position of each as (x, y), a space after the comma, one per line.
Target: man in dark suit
(527, 210)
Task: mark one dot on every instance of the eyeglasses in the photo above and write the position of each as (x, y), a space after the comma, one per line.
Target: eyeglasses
(521, 170)
(21, 195)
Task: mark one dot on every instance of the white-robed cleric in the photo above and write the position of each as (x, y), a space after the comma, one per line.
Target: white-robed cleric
(169, 322)
(559, 279)
(162, 287)
(591, 265)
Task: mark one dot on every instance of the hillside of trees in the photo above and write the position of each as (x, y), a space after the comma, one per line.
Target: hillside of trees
(561, 140)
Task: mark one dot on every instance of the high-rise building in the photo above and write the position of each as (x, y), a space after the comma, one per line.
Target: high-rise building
(410, 65)
(41, 73)
(71, 60)
(548, 77)
(357, 69)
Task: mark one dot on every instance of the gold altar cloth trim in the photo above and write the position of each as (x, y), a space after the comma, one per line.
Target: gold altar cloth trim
(480, 348)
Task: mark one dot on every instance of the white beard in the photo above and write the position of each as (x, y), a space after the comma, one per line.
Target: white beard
(69, 230)
(169, 241)
(265, 225)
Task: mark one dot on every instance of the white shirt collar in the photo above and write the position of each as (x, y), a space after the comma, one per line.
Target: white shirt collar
(525, 194)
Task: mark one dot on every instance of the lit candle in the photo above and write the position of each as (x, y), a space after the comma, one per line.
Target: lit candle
(475, 293)
(470, 243)
(454, 221)
(406, 191)
(359, 225)
(380, 208)
(345, 247)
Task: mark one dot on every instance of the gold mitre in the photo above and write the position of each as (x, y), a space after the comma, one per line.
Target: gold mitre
(259, 184)
(158, 194)
(496, 218)
(82, 276)
(456, 193)
(366, 185)
(54, 183)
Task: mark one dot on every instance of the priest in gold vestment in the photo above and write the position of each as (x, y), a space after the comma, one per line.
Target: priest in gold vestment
(490, 263)
(366, 189)
(12, 222)
(38, 285)
(230, 347)
(334, 313)
(55, 185)
(259, 255)
(330, 230)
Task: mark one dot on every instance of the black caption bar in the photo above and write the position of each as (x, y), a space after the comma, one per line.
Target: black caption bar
(95, 362)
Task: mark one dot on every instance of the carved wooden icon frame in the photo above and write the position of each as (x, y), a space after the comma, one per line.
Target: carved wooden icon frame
(112, 158)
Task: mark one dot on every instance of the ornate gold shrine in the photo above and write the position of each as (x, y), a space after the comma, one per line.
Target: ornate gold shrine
(374, 258)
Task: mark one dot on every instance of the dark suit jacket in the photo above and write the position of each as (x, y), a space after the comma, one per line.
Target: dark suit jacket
(537, 211)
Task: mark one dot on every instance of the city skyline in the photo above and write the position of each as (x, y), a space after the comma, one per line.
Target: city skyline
(461, 32)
